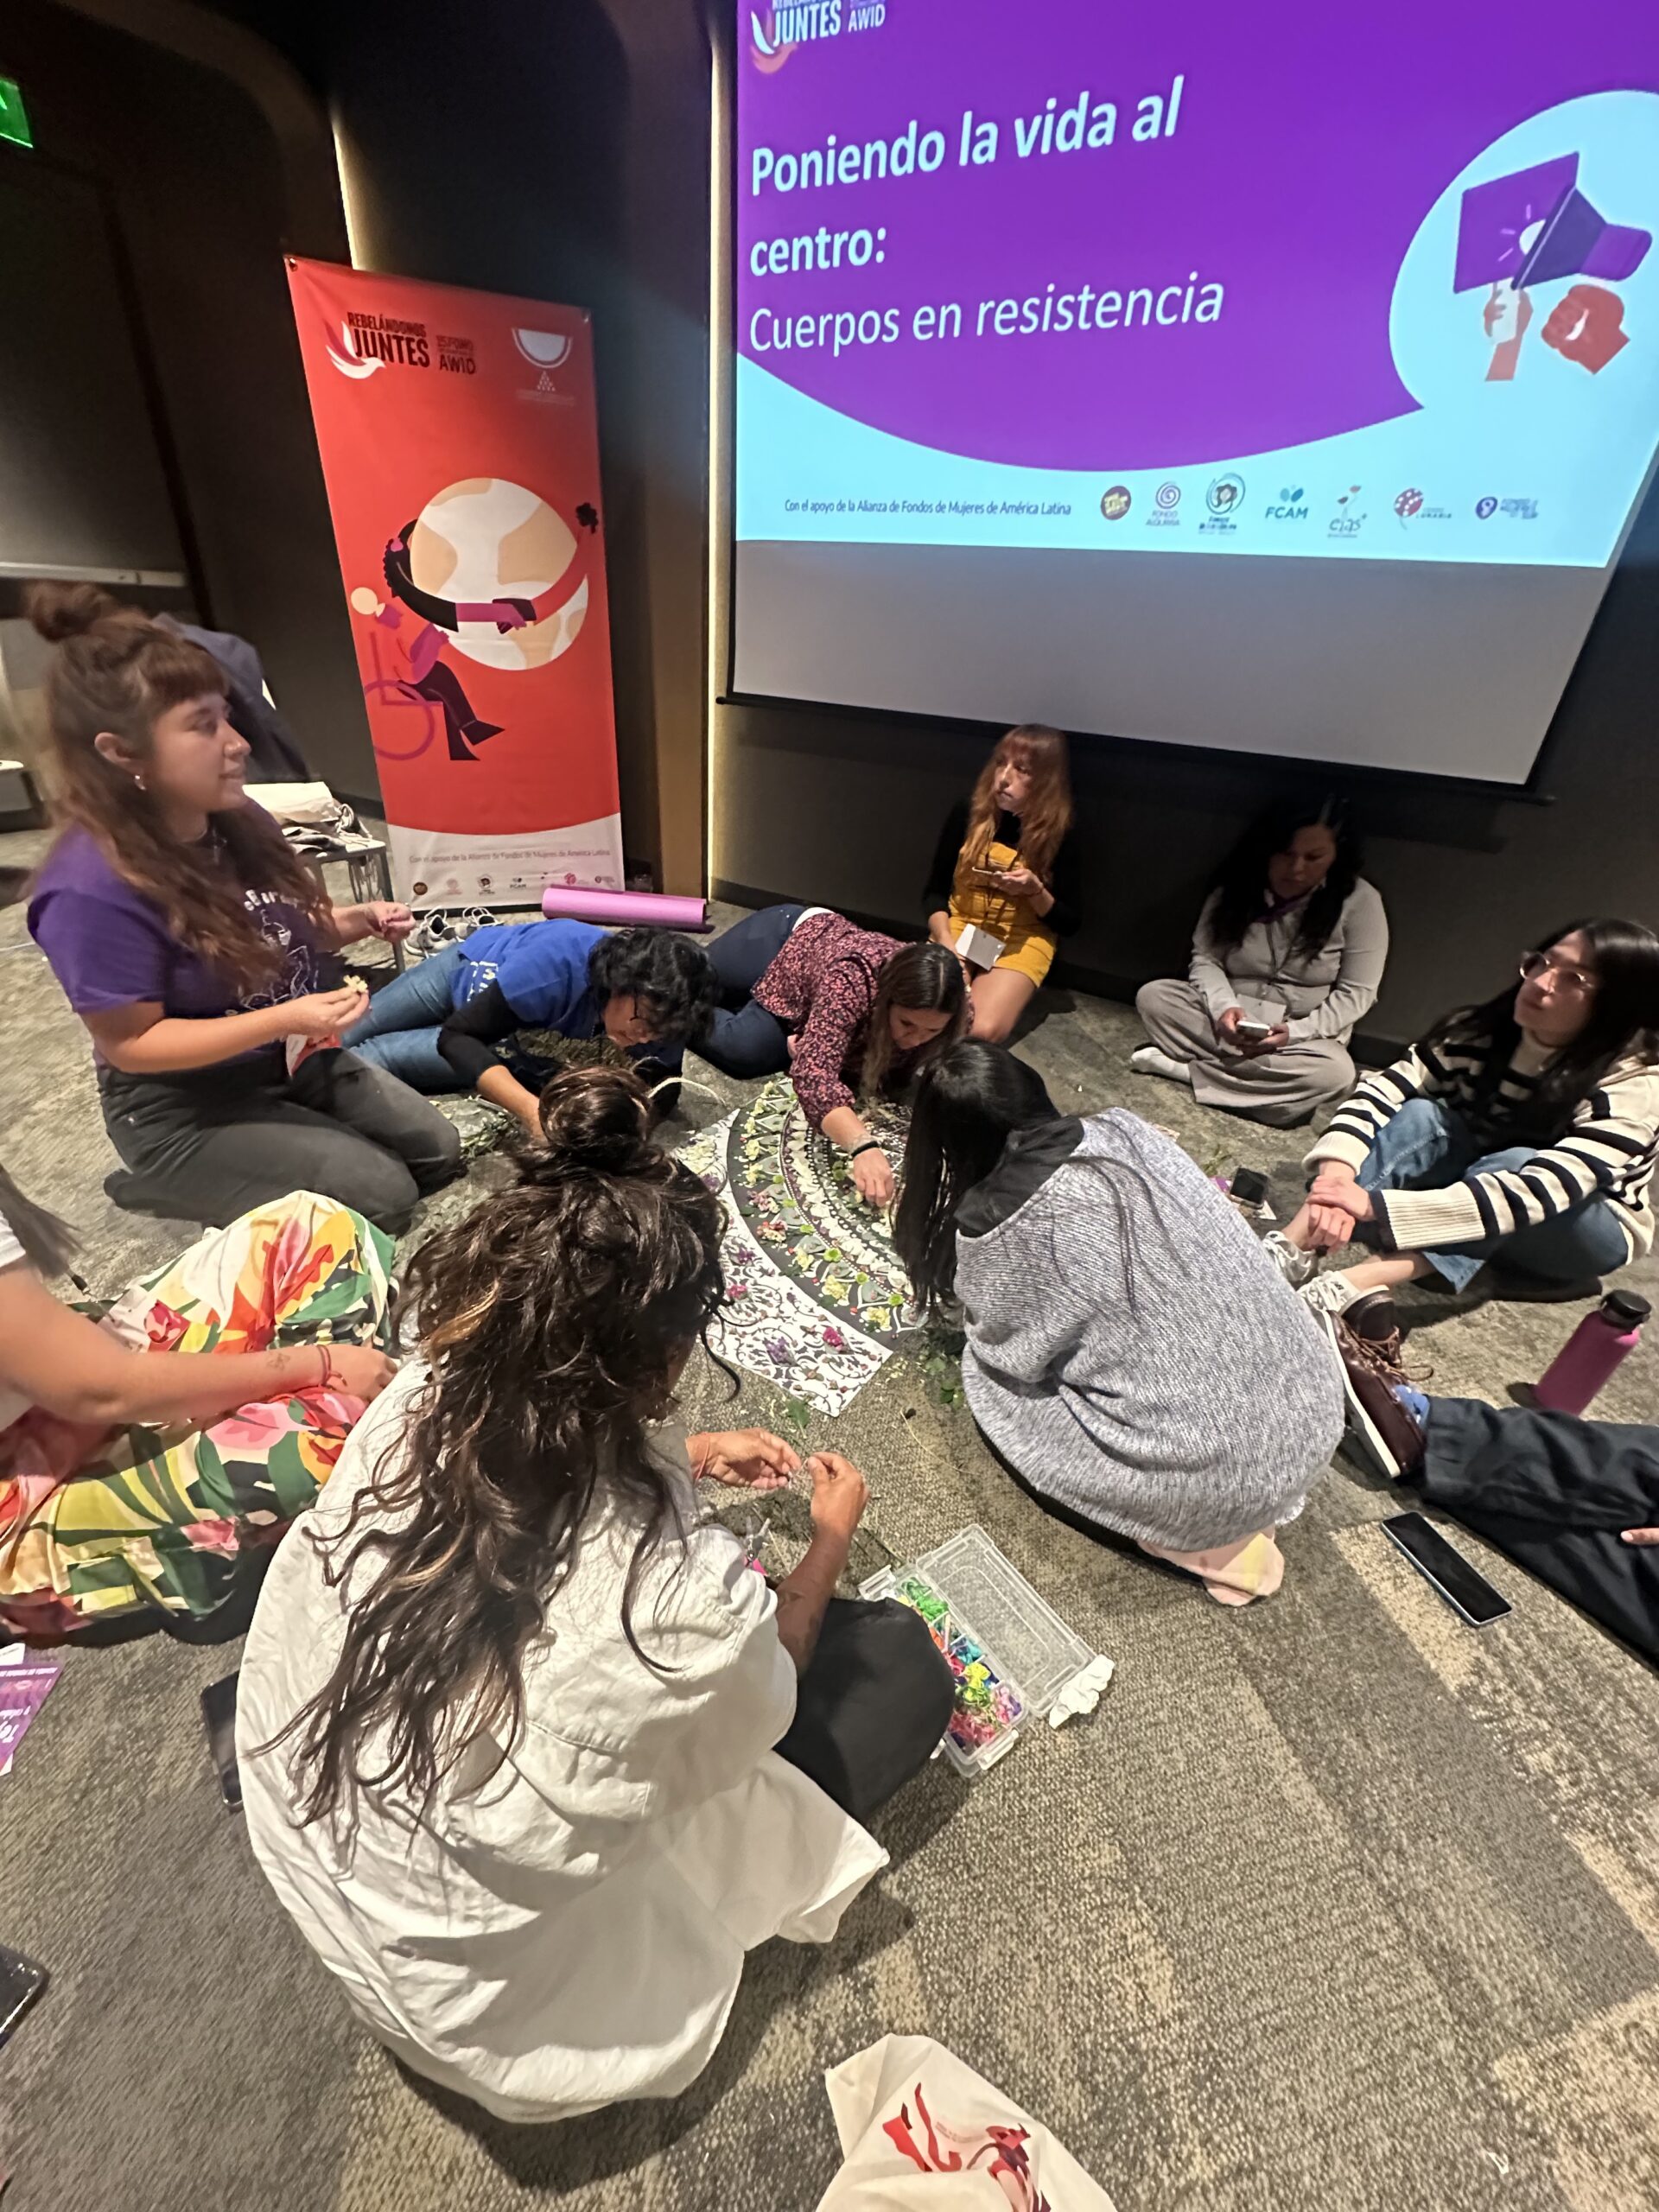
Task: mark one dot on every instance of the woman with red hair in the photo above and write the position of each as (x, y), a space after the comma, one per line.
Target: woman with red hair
(1003, 887)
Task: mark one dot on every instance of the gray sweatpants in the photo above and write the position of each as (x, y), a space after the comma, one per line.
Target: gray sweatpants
(1281, 1088)
(209, 1145)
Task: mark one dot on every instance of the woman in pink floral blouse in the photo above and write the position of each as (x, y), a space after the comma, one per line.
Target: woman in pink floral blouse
(848, 1012)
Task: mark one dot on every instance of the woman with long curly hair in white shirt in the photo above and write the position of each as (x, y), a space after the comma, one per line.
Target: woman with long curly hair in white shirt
(529, 1751)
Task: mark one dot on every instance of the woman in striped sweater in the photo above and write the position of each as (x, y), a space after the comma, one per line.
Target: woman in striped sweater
(1525, 1131)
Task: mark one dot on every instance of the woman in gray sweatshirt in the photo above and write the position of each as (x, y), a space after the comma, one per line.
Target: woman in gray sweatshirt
(1287, 958)
(1133, 1354)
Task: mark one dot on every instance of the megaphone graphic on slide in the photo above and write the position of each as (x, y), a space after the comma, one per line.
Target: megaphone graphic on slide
(1536, 225)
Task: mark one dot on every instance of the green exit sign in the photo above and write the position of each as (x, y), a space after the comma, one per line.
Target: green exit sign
(14, 117)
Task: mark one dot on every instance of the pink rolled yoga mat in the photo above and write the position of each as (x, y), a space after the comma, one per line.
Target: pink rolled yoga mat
(626, 909)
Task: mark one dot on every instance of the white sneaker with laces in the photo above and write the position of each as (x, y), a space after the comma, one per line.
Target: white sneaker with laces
(1296, 1266)
(1149, 1060)
(431, 933)
(1332, 1294)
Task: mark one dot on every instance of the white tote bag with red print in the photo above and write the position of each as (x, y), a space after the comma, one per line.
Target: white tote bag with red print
(922, 2132)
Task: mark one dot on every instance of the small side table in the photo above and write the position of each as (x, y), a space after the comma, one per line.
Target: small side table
(369, 866)
(20, 798)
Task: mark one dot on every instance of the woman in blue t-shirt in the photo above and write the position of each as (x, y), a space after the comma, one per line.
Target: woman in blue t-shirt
(200, 952)
(437, 1027)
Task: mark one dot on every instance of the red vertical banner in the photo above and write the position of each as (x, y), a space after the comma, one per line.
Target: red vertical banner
(460, 451)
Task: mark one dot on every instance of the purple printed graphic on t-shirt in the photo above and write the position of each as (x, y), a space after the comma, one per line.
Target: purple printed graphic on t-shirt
(109, 944)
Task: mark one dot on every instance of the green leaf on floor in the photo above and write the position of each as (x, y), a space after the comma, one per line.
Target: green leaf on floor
(939, 1358)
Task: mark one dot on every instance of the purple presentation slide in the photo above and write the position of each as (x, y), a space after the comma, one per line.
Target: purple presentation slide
(1199, 278)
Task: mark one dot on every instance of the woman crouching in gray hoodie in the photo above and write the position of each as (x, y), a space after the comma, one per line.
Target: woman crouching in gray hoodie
(1133, 1357)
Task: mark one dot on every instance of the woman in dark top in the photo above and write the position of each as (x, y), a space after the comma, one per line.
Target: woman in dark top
(201, 952)
(1005, 880)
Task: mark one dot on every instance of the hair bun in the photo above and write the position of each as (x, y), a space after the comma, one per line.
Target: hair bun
(60, 610)
(598, 1118)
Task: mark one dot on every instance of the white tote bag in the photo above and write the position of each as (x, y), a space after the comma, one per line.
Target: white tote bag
(920, 2131)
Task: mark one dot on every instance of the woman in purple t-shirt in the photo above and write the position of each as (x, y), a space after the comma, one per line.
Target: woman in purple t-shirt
(200, 952)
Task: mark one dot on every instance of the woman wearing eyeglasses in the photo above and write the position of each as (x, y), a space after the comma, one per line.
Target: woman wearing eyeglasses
(1524, 1131)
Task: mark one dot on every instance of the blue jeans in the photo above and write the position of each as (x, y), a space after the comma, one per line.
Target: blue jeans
(399, 1033)
(1426, 1146)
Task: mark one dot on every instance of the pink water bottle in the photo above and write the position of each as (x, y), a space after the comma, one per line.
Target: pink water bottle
(1591, 1352)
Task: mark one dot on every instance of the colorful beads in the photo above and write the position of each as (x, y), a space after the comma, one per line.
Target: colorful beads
(986, 1707)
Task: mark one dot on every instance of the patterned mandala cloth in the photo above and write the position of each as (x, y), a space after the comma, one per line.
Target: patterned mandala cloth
(818, 1299)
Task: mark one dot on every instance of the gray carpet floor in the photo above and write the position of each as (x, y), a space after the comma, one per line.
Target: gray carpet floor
(1333, 1904)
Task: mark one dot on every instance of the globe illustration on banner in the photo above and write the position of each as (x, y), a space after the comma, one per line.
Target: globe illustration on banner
(486, 538)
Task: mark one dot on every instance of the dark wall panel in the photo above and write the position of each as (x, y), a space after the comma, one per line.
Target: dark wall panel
(190, 170)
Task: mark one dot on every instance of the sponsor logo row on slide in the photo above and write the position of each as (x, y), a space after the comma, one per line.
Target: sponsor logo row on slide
(1224, 497)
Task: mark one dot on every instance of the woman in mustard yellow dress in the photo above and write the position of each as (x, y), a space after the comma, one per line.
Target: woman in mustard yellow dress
(1003, 887)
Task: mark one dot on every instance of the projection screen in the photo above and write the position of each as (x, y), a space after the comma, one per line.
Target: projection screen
(1279, 380)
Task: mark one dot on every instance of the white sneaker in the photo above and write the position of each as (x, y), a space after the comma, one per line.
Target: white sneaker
(1296, 1266)
(1333, 1293)
(432, 933)
(1150, 1061)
